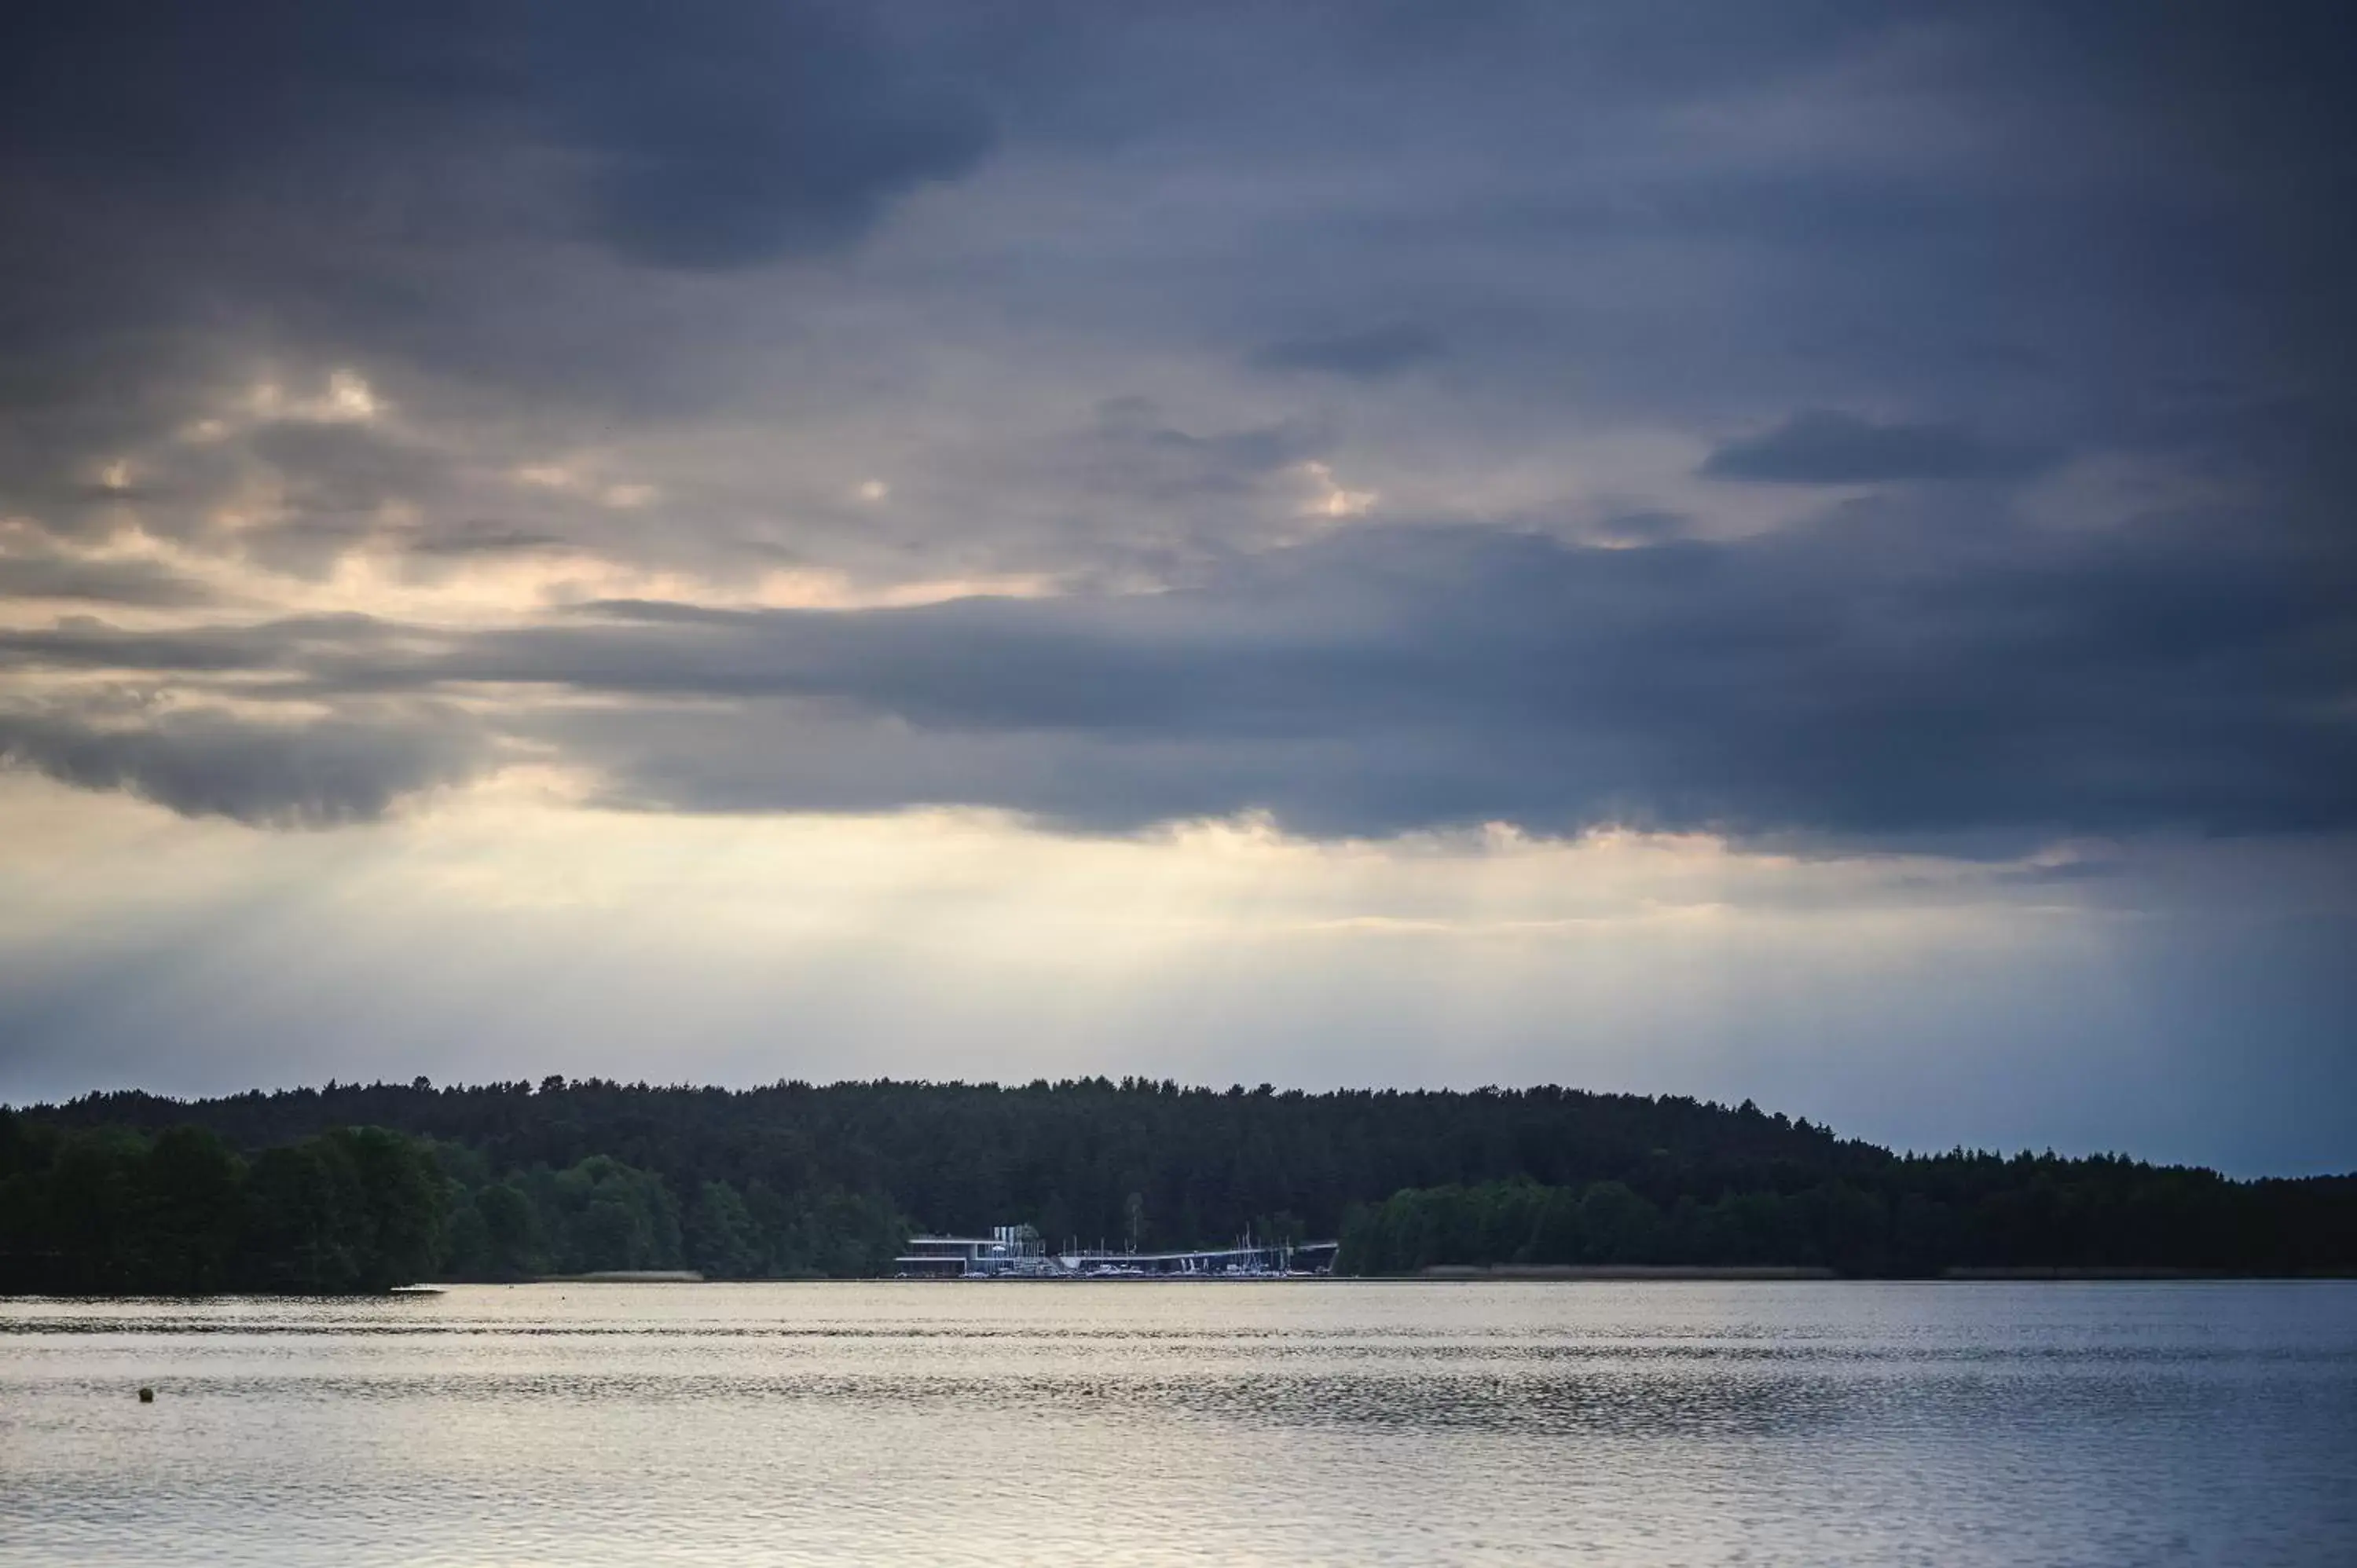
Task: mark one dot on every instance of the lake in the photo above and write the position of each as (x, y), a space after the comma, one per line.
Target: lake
(1298, 1422)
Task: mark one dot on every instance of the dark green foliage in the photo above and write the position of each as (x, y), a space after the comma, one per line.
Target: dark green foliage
(304, 1231)
(796, 1180)
(723, 1241)
(1090, 1158)
(599, 1214)
(108, 1211)
(189, 1207)
(603, 1214)
(1907, 1216)
(510, 1238)
(763, 1235)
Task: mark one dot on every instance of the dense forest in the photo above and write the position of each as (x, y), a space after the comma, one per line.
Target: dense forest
(355, 1186)
(1911, 1217)
(110, 1212)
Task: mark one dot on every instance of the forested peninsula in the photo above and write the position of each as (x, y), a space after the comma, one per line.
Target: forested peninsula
(360, 1186)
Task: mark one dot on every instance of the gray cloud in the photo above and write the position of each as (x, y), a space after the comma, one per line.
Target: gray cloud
(1826, 447)
(748, 131)
(319, 774)
(1367, 355)
(1834, 683)
(1866, 681)
(700, 134)
(1133, 451)
(44, 574)
(473, 537)
(2024, 225)
(1603, 223)
(88, 643)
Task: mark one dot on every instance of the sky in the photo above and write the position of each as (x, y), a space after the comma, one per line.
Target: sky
(1799, 553)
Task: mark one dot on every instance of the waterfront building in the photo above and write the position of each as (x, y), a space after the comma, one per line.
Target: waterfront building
(1015, 1251)
(1008, 1250)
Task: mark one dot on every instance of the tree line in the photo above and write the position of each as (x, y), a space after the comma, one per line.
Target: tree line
(108, 1211)
(277, 1190)
(599, 1214)
(1915, 1217)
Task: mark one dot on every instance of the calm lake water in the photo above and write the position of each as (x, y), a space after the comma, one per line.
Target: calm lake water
(1173, 1424)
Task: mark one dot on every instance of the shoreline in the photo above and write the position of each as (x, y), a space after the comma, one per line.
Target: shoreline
(1528, 1274)
(1621, 1271)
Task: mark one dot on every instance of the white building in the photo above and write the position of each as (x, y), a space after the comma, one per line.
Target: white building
(1015, 1251)
(1008, 1249)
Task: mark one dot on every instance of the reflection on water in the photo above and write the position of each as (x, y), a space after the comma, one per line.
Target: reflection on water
(1281, 1423)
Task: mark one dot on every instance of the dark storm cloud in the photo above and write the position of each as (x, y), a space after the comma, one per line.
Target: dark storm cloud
(1856, 682)
(187, 191)
(1867, 681)
(2068, 235)
(1826, 447)
(319, 774)
(747, 130)
(702, 134)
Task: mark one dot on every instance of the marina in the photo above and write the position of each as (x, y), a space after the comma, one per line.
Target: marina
(1017, 1252)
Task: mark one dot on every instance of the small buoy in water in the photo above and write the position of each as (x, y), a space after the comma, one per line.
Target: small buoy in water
(146, 1396)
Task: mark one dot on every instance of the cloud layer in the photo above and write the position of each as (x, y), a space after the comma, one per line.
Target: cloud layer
(1870, 424)
(1844, 430)
(1863, 680)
